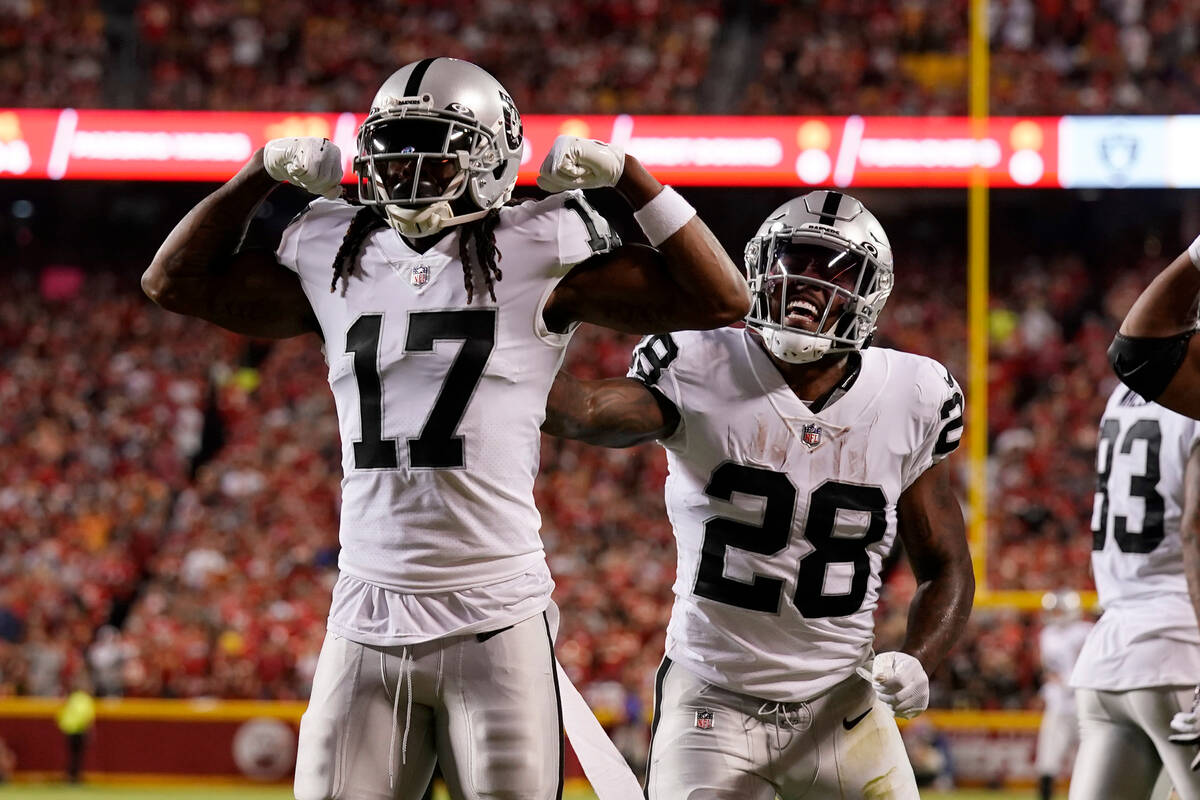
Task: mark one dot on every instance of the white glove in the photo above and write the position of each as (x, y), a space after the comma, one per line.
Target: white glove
(575, 163)
(310, 162)
(901, 682)
(1186, 725)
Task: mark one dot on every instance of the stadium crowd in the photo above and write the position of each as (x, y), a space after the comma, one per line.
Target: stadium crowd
(607, 56)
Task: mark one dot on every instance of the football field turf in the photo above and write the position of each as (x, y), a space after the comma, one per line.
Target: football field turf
(60, 792)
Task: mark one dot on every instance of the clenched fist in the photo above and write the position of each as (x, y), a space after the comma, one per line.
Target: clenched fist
(312, 163)
(901, 682)
(575, 163)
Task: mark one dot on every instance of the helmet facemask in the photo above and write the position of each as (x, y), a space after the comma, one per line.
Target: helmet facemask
(416, 165)
(814, 293)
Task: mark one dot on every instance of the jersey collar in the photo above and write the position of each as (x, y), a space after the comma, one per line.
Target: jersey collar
(395, 249)
(839, 406)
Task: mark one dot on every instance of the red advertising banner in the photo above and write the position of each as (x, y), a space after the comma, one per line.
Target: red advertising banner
(686, 151)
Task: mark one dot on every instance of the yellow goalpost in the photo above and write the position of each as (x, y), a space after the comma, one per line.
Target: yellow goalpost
(978, 337)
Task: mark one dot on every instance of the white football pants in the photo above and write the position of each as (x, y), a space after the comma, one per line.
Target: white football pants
(712, 744)
(485, 706)
(1123, 744)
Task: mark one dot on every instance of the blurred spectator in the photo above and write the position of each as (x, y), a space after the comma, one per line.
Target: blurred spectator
(53, 53)
(590, 57)
(1048, 57)
(106, 658)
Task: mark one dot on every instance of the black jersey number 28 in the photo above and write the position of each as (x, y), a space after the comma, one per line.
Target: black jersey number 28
(438, 447)
(772, 535)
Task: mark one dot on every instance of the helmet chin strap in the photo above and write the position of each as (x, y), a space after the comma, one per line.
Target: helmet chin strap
(417, 223)
(794, 347)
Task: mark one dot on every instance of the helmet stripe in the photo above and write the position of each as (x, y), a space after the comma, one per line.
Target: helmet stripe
(829, 208)
(413, 87)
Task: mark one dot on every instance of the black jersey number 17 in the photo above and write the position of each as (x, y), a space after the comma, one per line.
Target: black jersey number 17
(438, 447)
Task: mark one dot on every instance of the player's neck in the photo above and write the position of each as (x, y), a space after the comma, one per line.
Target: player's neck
(813, 380)
(424, 243)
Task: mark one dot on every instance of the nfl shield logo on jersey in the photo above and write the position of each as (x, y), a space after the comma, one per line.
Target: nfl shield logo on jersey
(811, 435)
(704, 720)
(419, 276)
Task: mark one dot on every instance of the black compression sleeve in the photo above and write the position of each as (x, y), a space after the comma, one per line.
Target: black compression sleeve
(1147, 364)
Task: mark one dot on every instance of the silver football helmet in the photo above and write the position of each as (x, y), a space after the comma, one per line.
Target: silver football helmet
(820, 271)
(441, 146)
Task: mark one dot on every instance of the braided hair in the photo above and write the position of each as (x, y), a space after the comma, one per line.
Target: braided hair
(481, 234)
(364, 222)
(478, 238)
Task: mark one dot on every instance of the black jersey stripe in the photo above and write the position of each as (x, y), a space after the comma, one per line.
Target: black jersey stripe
(413, 87)
(829, 208)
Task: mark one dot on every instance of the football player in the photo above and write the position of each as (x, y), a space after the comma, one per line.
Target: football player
(796, 453)
(440, 362)
(1155, 354)
(1138, 664)
(1062, 635)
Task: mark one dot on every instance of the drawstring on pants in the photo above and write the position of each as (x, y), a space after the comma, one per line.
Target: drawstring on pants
(797, 717)
(406, 671)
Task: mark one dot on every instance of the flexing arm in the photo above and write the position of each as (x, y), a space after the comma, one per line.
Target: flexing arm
(617, 412)
(199, 270)
(1152, 349)
(931, 526)
(687, 283)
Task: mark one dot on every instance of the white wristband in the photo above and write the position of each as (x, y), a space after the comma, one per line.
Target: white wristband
(664, 215)
(1193, 252)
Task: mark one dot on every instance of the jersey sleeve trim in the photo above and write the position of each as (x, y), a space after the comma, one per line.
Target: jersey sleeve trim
(582, 231)
(651, 365)
(678, 436)
(938, 415)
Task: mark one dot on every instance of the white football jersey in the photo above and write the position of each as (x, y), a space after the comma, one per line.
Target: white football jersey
(783, 515)
(439, 403)
(1147, 636)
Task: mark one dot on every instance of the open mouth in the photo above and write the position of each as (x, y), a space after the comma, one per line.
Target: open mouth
(802, 312)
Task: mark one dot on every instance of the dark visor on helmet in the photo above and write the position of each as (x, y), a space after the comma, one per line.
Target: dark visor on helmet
(841, 268)
(416, 159)
(418, 136)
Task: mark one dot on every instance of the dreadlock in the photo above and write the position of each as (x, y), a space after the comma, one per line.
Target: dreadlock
(483, 235)
(365, 221)
(477, 238)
